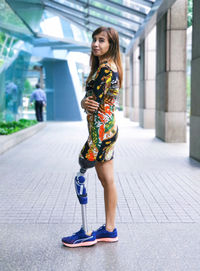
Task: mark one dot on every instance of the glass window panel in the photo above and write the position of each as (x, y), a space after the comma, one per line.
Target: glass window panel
(55, 26)
(137, 6)
(116, 11)
(131, 26)
(78, 33)
(9, 20)
(52, 27)
(30, 12)
(69, 4)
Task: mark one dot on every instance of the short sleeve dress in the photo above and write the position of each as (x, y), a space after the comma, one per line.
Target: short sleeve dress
(103, 131)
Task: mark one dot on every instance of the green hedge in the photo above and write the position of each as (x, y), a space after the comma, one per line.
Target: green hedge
(7, 128)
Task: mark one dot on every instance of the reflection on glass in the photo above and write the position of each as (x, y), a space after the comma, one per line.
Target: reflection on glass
(10, 20)
(52, 27)
(12, 98)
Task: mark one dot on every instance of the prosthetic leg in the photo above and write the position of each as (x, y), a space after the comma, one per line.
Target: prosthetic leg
(82, 196)
(81, 189)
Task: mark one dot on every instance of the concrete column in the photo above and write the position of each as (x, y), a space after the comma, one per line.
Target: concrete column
(62, 102)
(121, 95)
(171, 74)
(127, 87)
(141, 83)
(195, 79)
(131, 85)
(134, 111)
(147, 81)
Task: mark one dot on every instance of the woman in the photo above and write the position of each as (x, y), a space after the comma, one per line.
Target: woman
(102, 88)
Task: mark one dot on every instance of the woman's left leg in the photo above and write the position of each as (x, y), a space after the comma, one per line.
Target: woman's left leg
(105, 172)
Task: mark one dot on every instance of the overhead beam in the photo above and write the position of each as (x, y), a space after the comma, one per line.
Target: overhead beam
(110, 14)
(146, 3)
(83, 15)
(109, 24)
(62, 40)
(91, 7)
(123, 8)
(85, 22)
(11, 4)
(16, 32)
(62, 7)
(45, 43)
(71, 48)
(64, 45)
(46, 2)
(25, 5)
(159, 8)
(88, 29)
(72, 9)
(98, 25)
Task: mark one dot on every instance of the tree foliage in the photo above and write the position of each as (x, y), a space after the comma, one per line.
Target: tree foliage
(27, 87)
(190, 12)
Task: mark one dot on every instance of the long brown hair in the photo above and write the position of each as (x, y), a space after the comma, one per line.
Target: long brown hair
(113, 52)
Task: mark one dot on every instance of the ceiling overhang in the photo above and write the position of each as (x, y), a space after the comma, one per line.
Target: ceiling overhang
(133, 19)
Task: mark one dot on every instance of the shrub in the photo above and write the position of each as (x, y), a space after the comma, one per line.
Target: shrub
(7, 128)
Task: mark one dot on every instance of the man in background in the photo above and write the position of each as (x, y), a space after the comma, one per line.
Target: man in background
(39, 96)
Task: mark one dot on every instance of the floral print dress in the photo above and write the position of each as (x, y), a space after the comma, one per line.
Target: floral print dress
(103, 131)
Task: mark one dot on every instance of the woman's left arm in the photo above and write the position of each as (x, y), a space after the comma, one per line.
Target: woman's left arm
(89, 104)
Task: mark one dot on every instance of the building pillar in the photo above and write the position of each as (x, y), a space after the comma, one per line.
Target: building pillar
(134, 111)
(147, 81)
(195, 85)
(131, 85)
(62, 102)
(171, 74)
(127, 87)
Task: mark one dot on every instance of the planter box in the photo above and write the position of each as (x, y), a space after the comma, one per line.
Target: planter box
(9, 141)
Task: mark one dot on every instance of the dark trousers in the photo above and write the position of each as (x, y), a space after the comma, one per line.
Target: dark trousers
(39, 110)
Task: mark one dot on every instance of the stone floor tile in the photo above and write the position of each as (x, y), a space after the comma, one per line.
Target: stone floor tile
(158, 211)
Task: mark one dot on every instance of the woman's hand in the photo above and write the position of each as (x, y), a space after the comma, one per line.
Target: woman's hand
(89, 104)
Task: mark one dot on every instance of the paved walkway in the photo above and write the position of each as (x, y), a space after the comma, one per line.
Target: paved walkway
(158, 213)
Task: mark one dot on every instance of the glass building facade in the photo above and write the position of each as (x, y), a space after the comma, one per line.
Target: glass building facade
(41, 34)
(12, 78)
(18, 38)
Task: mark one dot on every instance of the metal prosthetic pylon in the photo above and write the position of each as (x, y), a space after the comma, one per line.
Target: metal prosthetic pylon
(82, 196)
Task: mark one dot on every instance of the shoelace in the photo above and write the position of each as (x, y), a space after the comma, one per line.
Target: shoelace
(101, 227)
(76, 232)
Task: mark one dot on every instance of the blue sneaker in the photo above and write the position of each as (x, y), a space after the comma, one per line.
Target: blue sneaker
(80, 239)
(102, 235)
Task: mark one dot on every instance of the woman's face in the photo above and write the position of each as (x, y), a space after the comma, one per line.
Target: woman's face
(100, 44)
